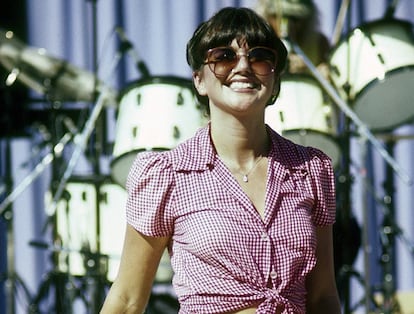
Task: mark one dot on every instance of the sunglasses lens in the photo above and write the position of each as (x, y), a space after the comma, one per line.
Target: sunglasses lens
(222, 60)
(222, 55)
(262, 60)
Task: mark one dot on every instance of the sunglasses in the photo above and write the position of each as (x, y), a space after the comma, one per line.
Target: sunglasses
(222, 60)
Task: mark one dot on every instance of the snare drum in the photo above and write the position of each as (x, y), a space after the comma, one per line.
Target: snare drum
(88, 232)
(154, 114)
(302, 114)
(376, 63)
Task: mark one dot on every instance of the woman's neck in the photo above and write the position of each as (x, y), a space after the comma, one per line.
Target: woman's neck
(239, 142)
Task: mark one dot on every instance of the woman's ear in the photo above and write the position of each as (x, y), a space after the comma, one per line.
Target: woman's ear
(199, 83)
(276, 91)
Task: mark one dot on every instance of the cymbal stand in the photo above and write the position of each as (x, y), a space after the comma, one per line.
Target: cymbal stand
(389, 232)
(94, 272)
(66, 290)
(345, 182)
(11, 279)
(38, 170)
(60, 282)
(55, 152)
(80, 141)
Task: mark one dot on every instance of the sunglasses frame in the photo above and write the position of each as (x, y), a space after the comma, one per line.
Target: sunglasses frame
(232, 63)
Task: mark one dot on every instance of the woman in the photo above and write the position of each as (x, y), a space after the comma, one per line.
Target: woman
(246, 215)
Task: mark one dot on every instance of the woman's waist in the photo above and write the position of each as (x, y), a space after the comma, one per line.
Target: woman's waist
(252, 310)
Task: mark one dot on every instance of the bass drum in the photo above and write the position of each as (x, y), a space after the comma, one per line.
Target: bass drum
(375, 62)
(154, 114)
(302, 114)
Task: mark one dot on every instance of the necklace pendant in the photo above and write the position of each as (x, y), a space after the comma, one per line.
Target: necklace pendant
(245, 178)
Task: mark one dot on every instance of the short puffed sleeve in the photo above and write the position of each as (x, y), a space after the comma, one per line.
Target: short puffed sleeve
(323, 185)
(150, 186)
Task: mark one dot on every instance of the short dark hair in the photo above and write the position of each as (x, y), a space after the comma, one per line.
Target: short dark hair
(233, 23)
(230, 23)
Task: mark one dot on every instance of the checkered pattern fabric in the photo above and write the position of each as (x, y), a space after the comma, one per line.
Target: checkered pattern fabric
(225, 256)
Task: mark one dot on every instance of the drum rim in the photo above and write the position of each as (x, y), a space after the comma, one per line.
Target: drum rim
(333, 139)
(373, 23)
(91, 179)
(134, 154)
(295, 76)
(158, 79)
(366, 26)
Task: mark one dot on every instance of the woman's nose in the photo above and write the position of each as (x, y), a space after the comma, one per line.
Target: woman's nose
(242, 64)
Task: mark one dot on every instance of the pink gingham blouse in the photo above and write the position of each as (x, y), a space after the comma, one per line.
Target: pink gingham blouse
(225, 257)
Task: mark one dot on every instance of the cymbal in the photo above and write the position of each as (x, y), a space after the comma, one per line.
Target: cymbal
(46, 74)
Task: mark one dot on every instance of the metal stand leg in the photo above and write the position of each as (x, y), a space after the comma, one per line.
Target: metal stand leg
(387, 234)
(11, 279)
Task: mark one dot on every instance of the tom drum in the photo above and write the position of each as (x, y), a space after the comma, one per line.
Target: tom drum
(302, 114)
(90, 224)
(154, 114)
(373, 68)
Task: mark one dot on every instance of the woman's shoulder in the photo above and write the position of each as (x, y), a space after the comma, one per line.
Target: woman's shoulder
(149, 164)
(294, 152)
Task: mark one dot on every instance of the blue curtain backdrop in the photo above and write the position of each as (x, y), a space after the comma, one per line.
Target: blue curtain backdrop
(82, 32)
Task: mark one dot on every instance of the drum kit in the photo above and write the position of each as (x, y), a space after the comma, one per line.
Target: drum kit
(372, 69)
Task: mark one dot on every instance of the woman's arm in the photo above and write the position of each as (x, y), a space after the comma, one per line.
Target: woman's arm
(139, 263)
(322, 294)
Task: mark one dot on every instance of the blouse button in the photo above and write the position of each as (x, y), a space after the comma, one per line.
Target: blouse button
(265, 236)
(273, 274)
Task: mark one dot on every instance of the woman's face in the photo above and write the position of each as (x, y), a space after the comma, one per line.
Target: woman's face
(240, 90)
